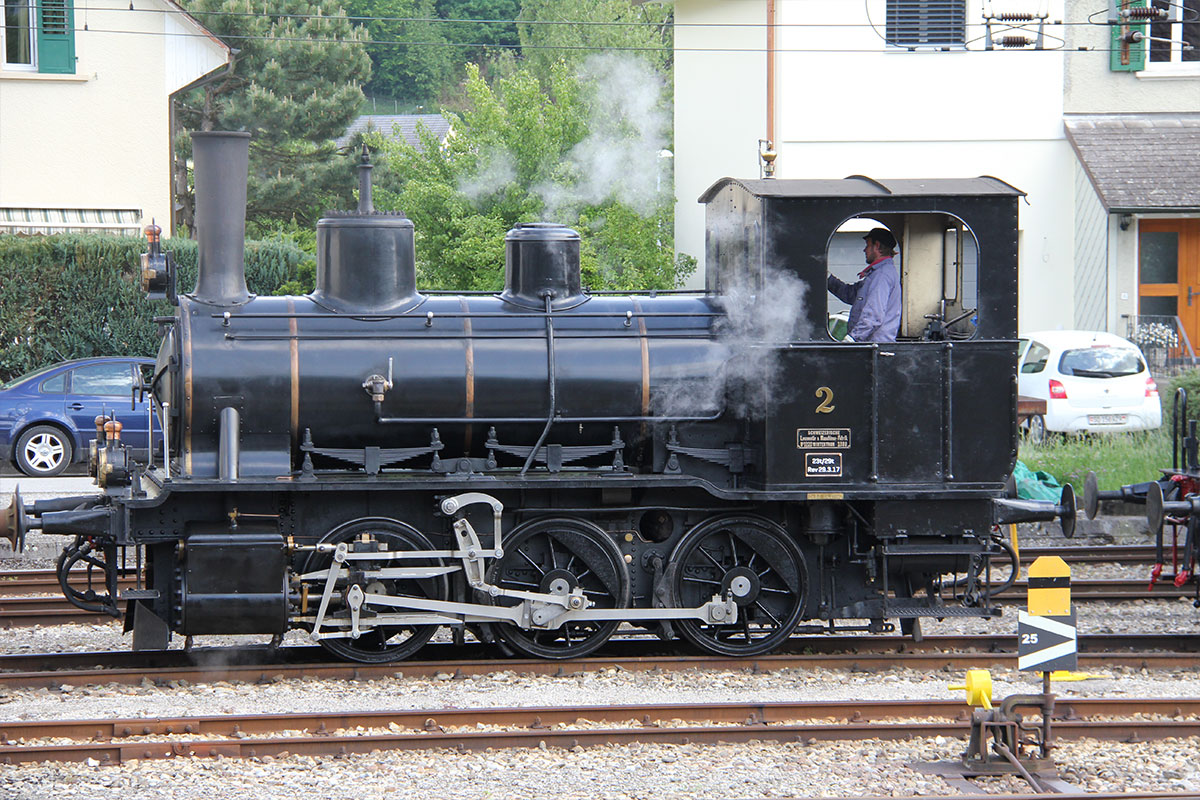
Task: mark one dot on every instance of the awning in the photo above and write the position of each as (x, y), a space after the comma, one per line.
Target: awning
(123, 221)
(1140, 163)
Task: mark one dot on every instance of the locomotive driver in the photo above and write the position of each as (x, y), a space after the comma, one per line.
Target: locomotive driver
(875, 299)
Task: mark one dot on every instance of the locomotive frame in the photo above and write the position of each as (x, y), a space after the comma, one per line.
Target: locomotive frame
(369, 463)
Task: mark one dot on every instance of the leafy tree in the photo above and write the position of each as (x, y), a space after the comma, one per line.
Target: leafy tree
(488, 33)
(581, 149)
(572, 30)
(295, 85)
(412, 60)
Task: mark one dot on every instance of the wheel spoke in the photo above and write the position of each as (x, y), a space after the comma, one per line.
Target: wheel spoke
(716, 562)
(532, 563)
(774, 619)
(750, 553)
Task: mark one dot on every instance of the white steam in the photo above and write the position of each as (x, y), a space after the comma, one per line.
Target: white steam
(764, 310)
(620, 157)
(762, 313)
(495, 170)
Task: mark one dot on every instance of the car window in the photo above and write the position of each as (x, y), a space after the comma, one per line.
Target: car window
(106, 379)
(55, 385)
(28, 376)
(1021, 345)
(1101, 362)
(1035, 357)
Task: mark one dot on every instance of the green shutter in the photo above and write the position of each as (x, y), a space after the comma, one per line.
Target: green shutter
(1132, 59)
(56, 36)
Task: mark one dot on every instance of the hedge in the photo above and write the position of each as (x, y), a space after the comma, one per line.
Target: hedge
(79, 295)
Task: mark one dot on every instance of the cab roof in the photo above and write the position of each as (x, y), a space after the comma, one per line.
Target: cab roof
(863, 186)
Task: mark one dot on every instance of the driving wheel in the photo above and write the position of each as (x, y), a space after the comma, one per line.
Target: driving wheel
(556, 556)
(751, 560)
(382, 643)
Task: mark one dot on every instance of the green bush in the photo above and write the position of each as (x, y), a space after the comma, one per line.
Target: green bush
(1190, 381)
(79, 295)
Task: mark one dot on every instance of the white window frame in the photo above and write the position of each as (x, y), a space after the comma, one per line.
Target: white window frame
(1176, 65)
(32, 66)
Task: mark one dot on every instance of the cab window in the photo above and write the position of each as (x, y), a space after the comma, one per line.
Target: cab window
(937, 259)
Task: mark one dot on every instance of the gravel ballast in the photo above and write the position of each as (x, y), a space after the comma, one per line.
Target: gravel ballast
(663, 772)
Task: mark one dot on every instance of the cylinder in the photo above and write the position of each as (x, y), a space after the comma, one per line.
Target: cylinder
(542, 260)
(229, 444)
(221, 164)
(366, 262)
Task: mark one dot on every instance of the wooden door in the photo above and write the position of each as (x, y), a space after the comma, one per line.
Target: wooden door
(1169, 271)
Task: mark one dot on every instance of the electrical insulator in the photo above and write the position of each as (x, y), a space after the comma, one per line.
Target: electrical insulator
(1015, 41)
(1143, 13)
(1016, 17)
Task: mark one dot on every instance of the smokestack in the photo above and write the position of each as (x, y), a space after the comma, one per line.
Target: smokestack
(221, 164)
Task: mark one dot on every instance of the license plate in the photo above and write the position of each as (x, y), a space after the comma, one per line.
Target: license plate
(1106, 419)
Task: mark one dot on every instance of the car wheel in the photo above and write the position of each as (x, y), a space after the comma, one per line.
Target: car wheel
(1035, 431)
(43, 451)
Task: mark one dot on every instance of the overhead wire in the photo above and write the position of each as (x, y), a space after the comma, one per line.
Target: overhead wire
(911, 49)
(915, 49)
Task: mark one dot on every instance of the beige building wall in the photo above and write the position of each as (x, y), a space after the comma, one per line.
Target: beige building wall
(720, 106)
(100, 139)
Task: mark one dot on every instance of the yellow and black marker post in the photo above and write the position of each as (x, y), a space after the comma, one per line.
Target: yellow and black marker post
(1046, 637)
(1046, 634)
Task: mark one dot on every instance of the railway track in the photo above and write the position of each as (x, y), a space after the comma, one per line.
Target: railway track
(114, 741)
(27, 611)
(1106, 554)
(261, 664)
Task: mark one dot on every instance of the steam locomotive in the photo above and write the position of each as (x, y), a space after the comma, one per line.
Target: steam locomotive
(542, 466)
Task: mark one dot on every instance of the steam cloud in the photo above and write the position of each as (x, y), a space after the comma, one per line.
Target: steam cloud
(496, 169)
(619, 158)
(763, 309)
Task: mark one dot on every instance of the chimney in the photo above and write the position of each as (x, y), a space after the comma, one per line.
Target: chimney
(221, 163)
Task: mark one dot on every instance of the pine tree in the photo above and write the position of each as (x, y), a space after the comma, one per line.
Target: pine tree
(295, 84)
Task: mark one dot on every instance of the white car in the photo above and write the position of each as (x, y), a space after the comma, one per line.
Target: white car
(1091, 381)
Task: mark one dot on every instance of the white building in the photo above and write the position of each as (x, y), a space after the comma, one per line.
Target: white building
(85, 134)
(910, 89)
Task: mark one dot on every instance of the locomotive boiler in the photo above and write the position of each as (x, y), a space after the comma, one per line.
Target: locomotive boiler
(544, 465)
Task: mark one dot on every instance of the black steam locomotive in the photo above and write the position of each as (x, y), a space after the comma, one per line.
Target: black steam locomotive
(370, 463)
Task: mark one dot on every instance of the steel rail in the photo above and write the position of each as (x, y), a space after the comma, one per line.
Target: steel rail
(16, 612)
(616, 651)
(21, 583)
(114, 741)
(216, 670)
(1105, 554)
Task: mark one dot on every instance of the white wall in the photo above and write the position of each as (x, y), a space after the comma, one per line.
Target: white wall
(100, 138)
(720, 106)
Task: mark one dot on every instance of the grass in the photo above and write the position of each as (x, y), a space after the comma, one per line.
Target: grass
(1116, 458)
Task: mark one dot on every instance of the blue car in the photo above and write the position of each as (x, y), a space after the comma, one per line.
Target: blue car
(47, 417)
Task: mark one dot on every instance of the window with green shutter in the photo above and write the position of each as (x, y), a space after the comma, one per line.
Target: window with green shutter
(55, 36)
(1124, 54)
